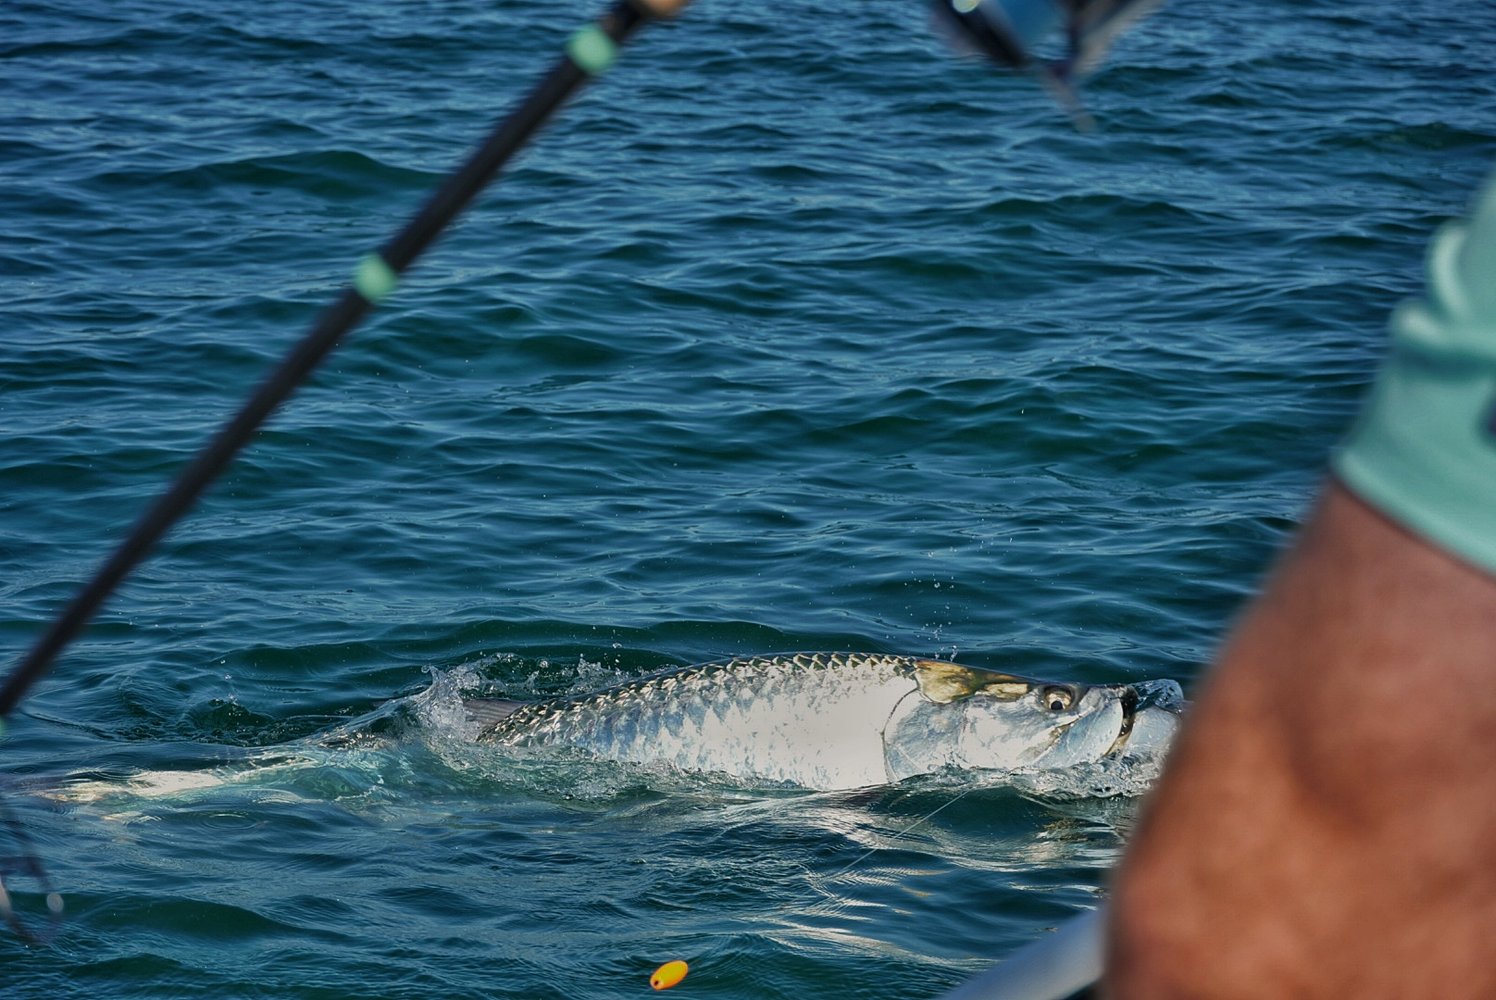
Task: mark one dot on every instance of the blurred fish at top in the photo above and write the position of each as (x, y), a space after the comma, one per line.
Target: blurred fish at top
(1012, 33)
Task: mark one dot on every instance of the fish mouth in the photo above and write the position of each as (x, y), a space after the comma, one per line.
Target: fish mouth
(1129, 701)
(1150, 713)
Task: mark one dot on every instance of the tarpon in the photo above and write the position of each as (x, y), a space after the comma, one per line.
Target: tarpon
(842, 720)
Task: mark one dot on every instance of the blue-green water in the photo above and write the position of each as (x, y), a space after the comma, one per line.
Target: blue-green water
(793, 333)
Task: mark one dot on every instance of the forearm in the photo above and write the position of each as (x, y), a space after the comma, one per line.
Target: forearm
(1327, 825)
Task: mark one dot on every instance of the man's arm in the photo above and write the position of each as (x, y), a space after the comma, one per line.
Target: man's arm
(1327, 823)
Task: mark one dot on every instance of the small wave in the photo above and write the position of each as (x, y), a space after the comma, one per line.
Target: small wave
(331, 173)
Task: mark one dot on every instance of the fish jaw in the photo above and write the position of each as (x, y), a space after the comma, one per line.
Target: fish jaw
(1152, 733)
(1104, 719)
(1156, 712)
(1023, 733)
(1135, 720)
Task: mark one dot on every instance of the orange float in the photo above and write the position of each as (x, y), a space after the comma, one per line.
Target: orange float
(668, 975)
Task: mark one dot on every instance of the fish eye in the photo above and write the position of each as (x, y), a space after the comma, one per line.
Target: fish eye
(1057, 699)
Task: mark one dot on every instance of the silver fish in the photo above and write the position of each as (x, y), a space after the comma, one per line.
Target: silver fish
(842, 720)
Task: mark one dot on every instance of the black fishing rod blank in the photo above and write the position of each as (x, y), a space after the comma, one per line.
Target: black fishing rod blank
(590, 51)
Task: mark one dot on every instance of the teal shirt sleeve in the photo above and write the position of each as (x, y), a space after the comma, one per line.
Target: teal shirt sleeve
(1424, 448)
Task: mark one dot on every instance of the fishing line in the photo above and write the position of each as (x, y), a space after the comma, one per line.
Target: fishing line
(829, 904)
(900, 834)
(589, 52)
(1064, 965)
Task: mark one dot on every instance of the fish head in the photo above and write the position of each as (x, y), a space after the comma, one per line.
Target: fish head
(971, 718)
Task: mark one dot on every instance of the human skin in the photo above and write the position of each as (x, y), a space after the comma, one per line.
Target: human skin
(1326, 826)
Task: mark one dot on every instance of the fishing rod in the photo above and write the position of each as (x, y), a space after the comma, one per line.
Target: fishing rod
(590, 51)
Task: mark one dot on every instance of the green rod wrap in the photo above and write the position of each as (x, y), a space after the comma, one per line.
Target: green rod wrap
(592, 50)
(374, 279)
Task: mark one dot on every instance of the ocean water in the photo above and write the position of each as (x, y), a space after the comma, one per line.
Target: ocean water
(792, 332)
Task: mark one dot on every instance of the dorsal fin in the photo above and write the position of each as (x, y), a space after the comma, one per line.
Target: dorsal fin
(489, 712)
